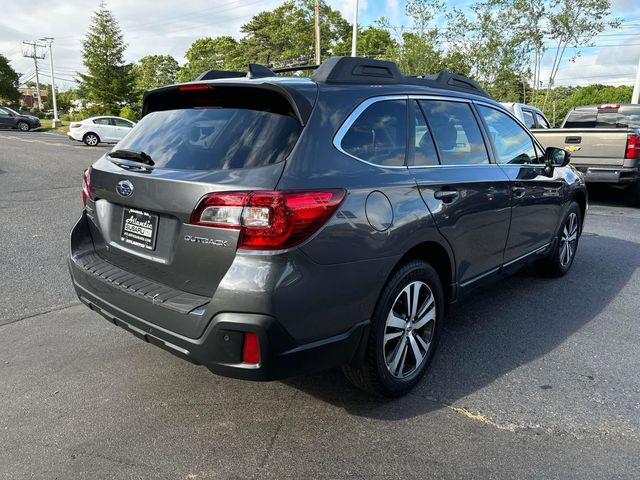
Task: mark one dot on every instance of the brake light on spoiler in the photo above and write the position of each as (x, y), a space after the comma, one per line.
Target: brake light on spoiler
(269, 220)
(609, 106)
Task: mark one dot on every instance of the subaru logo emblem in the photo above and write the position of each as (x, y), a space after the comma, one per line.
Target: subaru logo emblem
(124, 188)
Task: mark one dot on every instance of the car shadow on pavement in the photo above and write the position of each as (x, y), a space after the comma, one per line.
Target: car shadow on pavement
(497, 330)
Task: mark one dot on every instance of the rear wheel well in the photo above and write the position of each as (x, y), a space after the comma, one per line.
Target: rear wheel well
(438, 257)
(581, 199)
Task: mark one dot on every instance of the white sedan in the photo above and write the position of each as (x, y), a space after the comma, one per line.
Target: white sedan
(95, 130)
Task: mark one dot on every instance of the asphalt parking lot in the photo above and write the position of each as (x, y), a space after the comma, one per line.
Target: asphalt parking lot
(534, 378)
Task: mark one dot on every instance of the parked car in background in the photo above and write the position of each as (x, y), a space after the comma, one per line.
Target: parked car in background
(604, 141)
(11, 119)
(270, 226)
(532, 117)
(95, 130)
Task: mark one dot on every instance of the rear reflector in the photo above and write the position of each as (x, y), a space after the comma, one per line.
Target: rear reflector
(633, 146)
(251, 349)
(194, 86)
(86, 186)
(269, 220)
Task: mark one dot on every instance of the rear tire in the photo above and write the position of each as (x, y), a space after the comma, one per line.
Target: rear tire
(23, 126)
(632, 195)
(559, 262)
(91, 139)
(405, 327)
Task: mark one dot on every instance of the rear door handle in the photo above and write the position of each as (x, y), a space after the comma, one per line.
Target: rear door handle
(446, 195)
(518, 191)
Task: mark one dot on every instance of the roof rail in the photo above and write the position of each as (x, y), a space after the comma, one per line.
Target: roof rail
(215, 74)
(367, 71)
(361, 71)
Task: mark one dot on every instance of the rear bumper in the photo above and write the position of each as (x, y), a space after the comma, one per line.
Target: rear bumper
(220, 347)
(157, 315)
(598, 174)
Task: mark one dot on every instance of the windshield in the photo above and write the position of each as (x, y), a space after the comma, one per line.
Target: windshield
(12, 110)
(213, 138)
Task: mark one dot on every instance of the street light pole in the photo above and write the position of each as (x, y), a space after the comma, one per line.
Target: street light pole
(354, 37)
(636, 88)
(317, 31)
(56, 122)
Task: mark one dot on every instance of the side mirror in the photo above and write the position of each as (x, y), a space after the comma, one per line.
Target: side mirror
(556, 157)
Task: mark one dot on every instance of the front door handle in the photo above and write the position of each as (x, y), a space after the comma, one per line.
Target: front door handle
(518, 191)
(446, 195)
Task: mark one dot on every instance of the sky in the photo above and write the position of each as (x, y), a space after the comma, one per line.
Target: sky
(169, 27)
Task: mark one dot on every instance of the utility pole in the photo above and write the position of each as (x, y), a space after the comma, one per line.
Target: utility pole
(636, 88)
(32, 52)
(354, 37)
(56, 122)
(317, 29)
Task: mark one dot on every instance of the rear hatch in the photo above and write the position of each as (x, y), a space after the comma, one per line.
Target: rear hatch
(200, 138)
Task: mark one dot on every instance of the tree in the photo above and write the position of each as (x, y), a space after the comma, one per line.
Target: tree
(373, 42)
(9, 82)
(108, 83)
(488, 39)
(573, 24)
(153, 71)
(206, 53)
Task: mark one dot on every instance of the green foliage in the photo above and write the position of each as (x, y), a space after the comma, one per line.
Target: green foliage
(108, 82)
(153, 71)
(8, 82)
(206, 53)
(129, 113)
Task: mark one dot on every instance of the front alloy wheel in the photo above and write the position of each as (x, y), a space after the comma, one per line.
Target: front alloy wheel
(409, 329)
(569, 240)
(23, 127)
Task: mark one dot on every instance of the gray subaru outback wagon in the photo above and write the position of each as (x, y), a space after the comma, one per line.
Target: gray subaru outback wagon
(268, 226)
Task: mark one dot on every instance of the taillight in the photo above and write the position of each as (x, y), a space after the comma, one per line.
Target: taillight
(269, 220)
(251, 348)
(86, 186)
(75, 125)
(633, 146)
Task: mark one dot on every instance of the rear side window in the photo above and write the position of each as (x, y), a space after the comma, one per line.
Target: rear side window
(581, 119)
(102, 121)
(529, 122)
(513, 144)
(456, 132)
(379, 134)
(217, 131)
(425, 152)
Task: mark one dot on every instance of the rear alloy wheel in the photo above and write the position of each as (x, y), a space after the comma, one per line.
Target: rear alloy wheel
(91, 139)
(24, 126)
(561, 259)
(404, 332)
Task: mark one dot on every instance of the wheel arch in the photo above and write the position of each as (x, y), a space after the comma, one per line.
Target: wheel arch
(580, 198)
(439, 257)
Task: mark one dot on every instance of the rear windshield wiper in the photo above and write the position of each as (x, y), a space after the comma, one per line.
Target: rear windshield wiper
(132, 155)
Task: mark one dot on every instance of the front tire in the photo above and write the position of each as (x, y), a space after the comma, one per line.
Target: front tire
(561, 259)
(404, 332)
(23, 126)
(91, 139)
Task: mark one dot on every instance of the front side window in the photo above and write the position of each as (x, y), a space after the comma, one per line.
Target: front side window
(513, 144)
(119, 122)
(456, 132)
(4, 113)
(379, 134)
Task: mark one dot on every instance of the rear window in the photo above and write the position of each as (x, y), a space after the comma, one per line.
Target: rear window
(629, 116)
(215, 132)
(581, 119)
